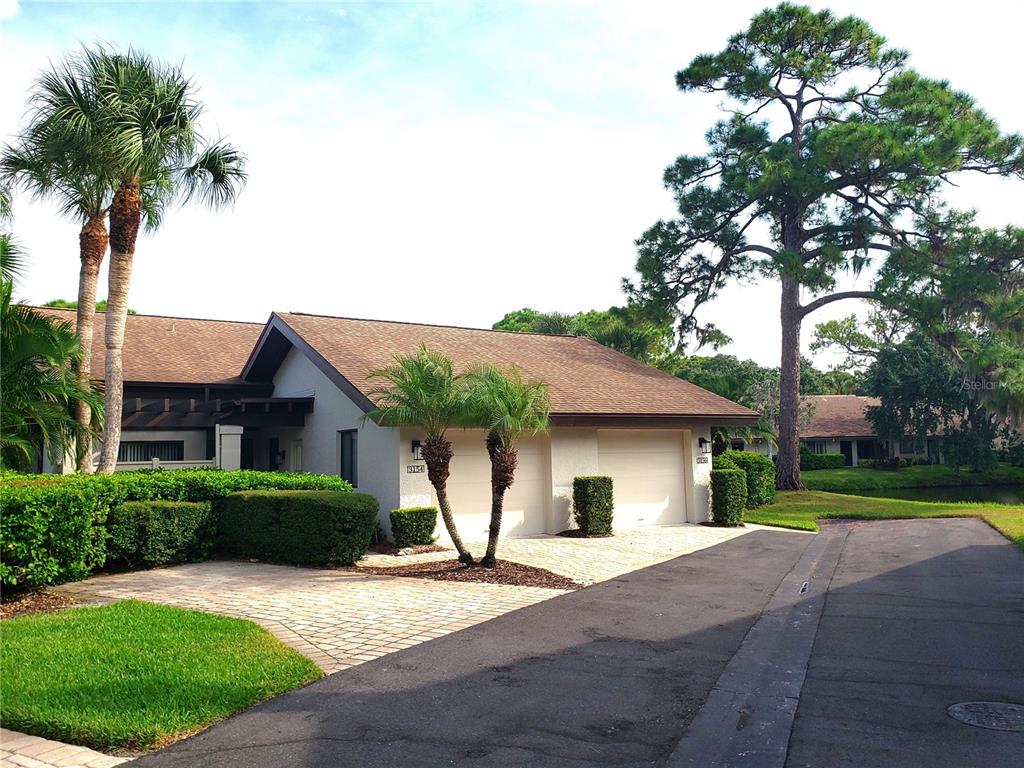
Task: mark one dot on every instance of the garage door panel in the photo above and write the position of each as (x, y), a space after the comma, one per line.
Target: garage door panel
(646, 468)
(469, 488)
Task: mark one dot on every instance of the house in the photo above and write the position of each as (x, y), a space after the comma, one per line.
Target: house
(839, 424)
(292, 394)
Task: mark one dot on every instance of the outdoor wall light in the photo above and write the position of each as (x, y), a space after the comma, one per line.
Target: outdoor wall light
(705, 444)
(417, 450)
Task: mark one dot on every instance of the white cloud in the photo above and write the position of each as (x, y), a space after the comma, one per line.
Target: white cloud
(9, 9)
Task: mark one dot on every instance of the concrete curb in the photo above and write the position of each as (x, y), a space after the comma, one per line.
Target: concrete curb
(748, 716)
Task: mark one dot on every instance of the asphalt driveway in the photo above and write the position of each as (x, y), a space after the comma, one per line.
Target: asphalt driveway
(900, 619)
(921, 614)
(607, 675)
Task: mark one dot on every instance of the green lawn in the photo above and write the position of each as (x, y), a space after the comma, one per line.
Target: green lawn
(800, 510)
(936, 475)
(134, 676)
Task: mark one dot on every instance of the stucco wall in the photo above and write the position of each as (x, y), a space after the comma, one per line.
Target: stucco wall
(378, 449)
(697, 472)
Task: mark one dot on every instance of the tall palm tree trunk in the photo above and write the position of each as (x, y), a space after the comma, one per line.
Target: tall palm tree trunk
(125, 216)
(437, 454)
(503, 468)
(92, 246)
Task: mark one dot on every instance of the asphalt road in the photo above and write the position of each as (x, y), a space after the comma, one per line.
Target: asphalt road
(901, 619)
(921, 614)
(609, 675)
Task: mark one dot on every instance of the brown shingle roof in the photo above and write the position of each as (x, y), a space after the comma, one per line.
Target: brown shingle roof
(584, 377)
(839, 416)
(176, 350)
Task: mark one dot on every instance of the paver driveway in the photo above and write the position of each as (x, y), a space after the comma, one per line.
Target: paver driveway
(337, 618)
(341, 618)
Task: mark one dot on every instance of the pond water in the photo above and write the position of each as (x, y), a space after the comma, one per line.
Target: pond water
(981, 493)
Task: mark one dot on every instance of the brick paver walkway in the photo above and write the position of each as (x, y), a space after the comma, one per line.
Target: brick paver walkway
(592, 560)
(336, 618)
(23, 751)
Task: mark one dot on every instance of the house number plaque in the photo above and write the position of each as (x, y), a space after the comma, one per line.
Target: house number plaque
(416, 469)
(702, 459)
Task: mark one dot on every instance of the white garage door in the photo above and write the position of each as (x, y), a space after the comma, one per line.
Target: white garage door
(469, 488)
(646, 467)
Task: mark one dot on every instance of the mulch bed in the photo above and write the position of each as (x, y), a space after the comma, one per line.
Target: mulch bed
(387, 548)
(713, 524)
(24, 603)
(504, 572)
(576, 533)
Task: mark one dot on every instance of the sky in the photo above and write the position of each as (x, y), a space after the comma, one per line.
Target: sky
(450, 162)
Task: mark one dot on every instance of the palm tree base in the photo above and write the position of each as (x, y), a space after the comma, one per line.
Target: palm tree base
(467, 559)
(488, 561)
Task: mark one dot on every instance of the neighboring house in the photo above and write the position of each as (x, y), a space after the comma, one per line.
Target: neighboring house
(292, 394)
(839, 424)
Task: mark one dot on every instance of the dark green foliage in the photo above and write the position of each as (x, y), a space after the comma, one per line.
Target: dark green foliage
(160, 532)
(760, 472)
(297, 527)
(728, 495)
(811, 461)
(593, 503)
(970, 446)
(413, 525)
(52, 527)
(51, 533)
(623, 329)
(722, 461)
(921, 393)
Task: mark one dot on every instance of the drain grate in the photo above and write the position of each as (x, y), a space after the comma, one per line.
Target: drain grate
(994, 715)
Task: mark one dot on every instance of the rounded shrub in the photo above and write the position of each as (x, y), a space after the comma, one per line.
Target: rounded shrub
(760, 471)
(728, 495)
(413, 525)
(297, 527)
(160, 532)
(593, 504)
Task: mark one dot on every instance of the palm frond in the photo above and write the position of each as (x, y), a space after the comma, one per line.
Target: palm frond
(420, 390)
(506, 404)
(216, 176)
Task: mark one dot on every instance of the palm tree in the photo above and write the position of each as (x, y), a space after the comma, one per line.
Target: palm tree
(43, 165)
(139, 118)
(423, 391)
(509, 408)
(37, 379)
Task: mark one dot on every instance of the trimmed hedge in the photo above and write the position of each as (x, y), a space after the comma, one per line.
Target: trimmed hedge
(728, 495)
(297, 527)
(51, 534)
(160, 532)
(413, 525)
(811, 461)
(53, 527)
(760, 471)
(593, 503)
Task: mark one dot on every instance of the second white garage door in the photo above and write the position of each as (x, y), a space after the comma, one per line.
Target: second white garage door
(646, 467)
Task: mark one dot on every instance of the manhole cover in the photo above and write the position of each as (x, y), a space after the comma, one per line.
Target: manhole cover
(996, 715)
